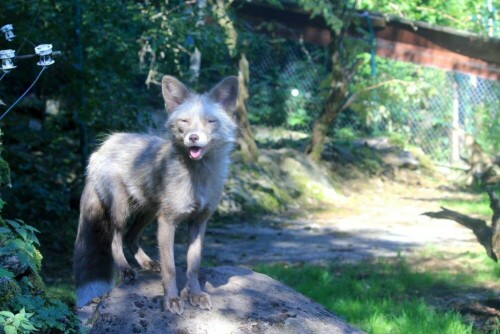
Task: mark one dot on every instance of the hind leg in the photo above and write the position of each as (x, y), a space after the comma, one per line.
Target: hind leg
(132, 241)
(126, 272)
(119, 215)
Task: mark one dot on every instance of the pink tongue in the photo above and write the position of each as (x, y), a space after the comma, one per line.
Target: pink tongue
(195, 152)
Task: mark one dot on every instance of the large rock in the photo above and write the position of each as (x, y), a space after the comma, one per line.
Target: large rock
(14, 264)
(243, 302)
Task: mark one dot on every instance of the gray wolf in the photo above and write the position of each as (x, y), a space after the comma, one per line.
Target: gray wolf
(173, 179)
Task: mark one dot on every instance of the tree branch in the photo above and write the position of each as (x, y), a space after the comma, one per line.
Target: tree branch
(355, 95)
(488, 237)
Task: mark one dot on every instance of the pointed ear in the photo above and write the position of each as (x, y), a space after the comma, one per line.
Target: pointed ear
(226, 93)
(174, 92)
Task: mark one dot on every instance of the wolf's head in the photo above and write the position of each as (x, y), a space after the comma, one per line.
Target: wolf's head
(201, 124)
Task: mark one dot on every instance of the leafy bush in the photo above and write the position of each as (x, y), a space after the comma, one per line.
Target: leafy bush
(20, 239)
(487, 127)
(16, 323)
(25, 291)
(21, 288)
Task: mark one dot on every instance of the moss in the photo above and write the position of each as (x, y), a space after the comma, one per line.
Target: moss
(32, 284)
(38, 257)
(9, 289)
(267, 202)
(64, 293)
(397, 139)
(372, 166)
(425, 162)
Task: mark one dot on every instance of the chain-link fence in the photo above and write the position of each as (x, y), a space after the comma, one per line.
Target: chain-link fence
(428, 107)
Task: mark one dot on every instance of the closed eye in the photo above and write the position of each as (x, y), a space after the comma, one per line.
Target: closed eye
(212, 121)
(183, 121)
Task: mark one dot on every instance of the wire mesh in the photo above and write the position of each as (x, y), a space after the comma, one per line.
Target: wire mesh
(287, 79)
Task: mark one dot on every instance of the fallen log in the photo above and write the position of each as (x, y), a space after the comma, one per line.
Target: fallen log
(487, 236)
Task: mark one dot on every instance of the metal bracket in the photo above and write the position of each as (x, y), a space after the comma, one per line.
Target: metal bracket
(44, 51)
(6, 56)
(8, 30)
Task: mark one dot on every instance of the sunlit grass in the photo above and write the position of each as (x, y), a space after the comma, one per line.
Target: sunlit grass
(387, 296)
(480, 206)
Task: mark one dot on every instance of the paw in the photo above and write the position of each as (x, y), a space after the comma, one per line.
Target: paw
(174, 305)
(151, 265)
(128, 274)
(201, 299)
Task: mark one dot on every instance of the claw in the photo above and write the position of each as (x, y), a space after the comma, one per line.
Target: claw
(201, 299)
(152, 266)
(174, 305)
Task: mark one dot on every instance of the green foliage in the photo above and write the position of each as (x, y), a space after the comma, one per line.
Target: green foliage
(266, 104)
(17, 323)
(471, 15)
(345, 135)
(406, 104)
(19, 239)
(47, 313)
(272, 102)
(26, 292)
(327, 10)
(485, 126)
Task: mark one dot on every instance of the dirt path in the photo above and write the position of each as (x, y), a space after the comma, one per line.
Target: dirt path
(382, 222)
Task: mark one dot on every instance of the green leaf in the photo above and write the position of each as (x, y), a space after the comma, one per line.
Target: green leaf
(4, 230)
(9, 329)
(6, 273)
(13, 223)
(7, 314)
(29, 327)
(22, 232)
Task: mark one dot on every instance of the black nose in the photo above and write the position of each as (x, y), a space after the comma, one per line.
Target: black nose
(194, 138)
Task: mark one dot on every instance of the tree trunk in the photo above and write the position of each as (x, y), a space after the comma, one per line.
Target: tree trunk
(331, 108)
(246, 140)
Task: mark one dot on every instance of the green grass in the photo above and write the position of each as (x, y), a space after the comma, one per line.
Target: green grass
(480, 206)
(387, 296)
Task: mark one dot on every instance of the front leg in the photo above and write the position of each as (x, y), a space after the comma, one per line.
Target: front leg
(166, 234)
(192, 291)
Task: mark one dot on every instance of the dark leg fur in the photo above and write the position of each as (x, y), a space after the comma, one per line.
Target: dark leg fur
(132, 241)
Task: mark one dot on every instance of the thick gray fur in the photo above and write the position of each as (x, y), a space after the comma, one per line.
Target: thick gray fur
(172, 179)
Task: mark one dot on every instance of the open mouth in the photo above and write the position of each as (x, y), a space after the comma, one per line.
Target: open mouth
(195, 152)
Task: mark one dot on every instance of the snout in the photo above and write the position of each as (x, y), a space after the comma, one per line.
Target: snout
(196, 142)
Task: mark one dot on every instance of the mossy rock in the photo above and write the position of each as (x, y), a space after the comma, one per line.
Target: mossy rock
(9, 289)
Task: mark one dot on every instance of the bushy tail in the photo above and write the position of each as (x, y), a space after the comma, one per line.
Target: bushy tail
(93, 259)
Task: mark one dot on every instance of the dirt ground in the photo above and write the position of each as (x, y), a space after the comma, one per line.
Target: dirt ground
(382, 221)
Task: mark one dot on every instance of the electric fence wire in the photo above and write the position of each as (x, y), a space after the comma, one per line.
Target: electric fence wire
(4, 73)
(26, 92)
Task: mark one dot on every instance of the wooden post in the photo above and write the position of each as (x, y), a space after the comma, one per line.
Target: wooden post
(455, 127)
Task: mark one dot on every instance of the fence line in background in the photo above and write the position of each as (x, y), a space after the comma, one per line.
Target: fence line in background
(286, 77)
